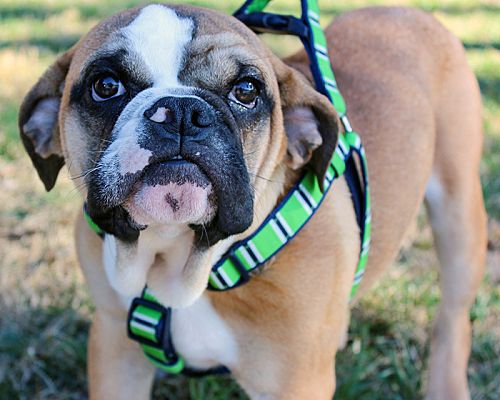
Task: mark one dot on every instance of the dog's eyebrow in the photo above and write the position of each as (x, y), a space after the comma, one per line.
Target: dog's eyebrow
(244, 68)
(234, 45)
(119, 61)
(208, 42)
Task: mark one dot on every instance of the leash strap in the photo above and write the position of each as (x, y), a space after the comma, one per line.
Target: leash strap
(149, 323)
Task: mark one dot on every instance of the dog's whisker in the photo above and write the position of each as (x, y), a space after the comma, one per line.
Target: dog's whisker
(75, 190)
(266, 179)
(85, 173)
(250, 153)
(203, 227)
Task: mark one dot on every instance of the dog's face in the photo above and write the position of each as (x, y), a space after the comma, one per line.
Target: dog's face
(169, 115)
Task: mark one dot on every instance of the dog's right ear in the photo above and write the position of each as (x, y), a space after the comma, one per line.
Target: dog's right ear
(311, 122)
(38, 121)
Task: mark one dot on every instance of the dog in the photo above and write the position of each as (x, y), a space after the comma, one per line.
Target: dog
(182, 132)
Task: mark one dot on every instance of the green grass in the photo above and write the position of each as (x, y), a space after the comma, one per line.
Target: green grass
(46, 308)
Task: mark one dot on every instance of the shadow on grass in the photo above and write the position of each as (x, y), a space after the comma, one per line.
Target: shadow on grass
(27, 11)
(464, 10)
(207, 388)
(482, 45)
(87, 11)
(381, 361)
(92, 11)
(46, 348)
(490, 88)
(384, 359)
(43, 356)
(43, 12)
(45, 351)
(54, 44)
(490, 177)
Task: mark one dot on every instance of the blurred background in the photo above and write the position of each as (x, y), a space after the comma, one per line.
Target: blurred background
(45, 308)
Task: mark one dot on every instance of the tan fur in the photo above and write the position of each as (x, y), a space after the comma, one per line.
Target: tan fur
(413, 99)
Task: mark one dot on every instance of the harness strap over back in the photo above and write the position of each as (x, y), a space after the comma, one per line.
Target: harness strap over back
(149, 322)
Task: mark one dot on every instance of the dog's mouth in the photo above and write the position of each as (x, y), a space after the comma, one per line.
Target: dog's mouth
(171, 192)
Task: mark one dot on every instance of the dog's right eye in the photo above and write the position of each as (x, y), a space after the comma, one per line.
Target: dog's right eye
(106, 87)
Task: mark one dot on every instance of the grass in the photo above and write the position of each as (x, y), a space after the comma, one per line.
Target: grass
(46, 308)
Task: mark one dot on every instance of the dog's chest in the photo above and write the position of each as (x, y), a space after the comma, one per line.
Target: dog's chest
(202, 337)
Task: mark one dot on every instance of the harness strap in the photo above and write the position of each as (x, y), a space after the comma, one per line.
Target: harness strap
(91, 223)
(281, 226)
(275, 23)
(288, 218)
(149, 324)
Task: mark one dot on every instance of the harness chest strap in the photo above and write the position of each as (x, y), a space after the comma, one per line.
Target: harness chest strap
(284, 222)
(148, 321)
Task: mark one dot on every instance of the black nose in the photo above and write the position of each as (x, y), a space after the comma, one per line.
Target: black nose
(187, 116)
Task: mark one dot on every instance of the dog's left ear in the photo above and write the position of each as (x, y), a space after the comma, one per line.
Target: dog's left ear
(38, 121)
(311, 122)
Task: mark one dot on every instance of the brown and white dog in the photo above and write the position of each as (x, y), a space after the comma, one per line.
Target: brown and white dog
(182, 131)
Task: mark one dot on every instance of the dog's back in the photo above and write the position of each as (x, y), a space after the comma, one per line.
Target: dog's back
(416, 103)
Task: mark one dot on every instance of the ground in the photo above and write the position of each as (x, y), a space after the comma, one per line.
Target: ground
(45, 308)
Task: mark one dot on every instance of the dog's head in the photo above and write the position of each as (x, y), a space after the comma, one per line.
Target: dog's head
(168, 115)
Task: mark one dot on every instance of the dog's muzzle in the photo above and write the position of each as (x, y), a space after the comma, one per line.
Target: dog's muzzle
(188, 168)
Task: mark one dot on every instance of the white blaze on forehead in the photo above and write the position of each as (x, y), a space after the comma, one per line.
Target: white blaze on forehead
(159, 37)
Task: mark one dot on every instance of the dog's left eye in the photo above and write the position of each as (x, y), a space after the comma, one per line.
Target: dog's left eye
(106, 87)
(245, 92)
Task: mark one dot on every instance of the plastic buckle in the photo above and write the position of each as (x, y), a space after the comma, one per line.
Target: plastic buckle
(162, 329)
(297, 28)
(285, 24)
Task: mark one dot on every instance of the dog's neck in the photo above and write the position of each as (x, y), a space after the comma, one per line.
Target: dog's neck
(166, 259)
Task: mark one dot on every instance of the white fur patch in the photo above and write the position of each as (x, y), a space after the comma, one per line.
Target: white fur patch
(202, 336)
(126, 151)
(159, 37)
(127, 266)
(434, 193)
(109, 259)
(160, 115)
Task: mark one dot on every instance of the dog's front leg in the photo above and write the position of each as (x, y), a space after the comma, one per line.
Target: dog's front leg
(117, 368)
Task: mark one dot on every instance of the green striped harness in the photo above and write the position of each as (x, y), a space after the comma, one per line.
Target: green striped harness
(148, 320)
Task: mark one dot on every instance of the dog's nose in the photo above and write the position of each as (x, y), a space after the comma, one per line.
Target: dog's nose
(187, 116)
